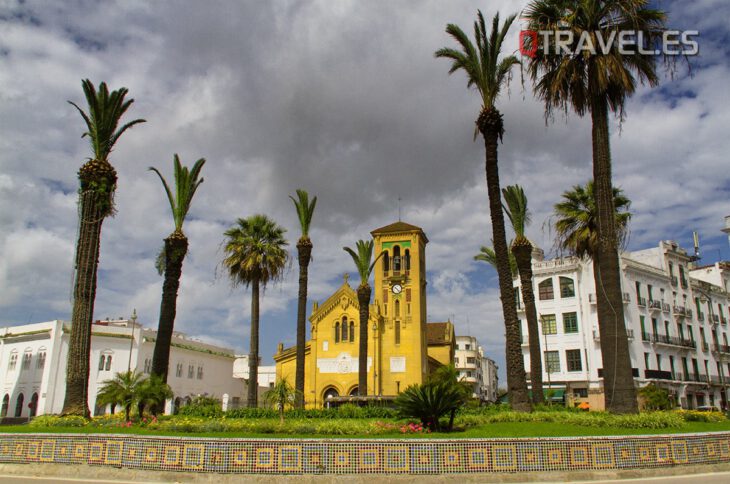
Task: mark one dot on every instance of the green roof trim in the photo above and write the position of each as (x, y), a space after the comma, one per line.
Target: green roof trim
(26, 333)
(193, 348)
(406, 244)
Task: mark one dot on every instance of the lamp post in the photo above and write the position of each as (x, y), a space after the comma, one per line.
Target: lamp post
(133, 322)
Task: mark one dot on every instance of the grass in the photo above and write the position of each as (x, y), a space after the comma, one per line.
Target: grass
(491, 430)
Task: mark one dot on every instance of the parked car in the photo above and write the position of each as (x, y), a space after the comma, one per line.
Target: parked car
(707, 408)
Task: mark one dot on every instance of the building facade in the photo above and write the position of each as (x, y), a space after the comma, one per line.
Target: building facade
(33, 365)
(401, 349)
(675, 315)
(476, 369)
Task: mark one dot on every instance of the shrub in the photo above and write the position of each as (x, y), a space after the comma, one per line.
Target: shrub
(58, 421)
(655, 398)
(202, 406)
(695, 416)
(429, 402)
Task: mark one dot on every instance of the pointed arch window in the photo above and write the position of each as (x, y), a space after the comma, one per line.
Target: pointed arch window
(102, 359)
(108, 365)
(345, 334)
(41, 361)
(13, 360)
(352, 331)
(337, 332)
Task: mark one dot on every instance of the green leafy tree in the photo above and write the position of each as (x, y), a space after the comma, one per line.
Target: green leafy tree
(121, 390)
(488, 72)
(281, 396)
(598, 82)
(98, 182)
(364, 267)
(255, 255)
(173, 253)
(576, 224)
(515, 206)
(655, 398)
(305, 211)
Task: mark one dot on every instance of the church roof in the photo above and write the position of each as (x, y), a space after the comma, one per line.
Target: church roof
(399, 227)
(439, 333)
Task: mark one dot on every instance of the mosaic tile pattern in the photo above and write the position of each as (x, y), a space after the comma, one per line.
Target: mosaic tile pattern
(340, 456)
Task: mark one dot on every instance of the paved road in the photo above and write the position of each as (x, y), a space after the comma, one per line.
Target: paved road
(707, 478)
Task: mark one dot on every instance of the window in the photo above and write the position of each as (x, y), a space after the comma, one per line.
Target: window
(471, 360)
(337, 332)
(638, 291)
(567, 287)
(646, 361)
(407, 261)
(680, 331)
(397, 332)
(102, 359)
(570, 322)
(552, 361)
(19, 405)
(545, 290)
(200, 373)
(344, 328)
(644, 335)
(659, 362)
(41, 362)
(27, 357)
(456, 361)
(671, 367)
(467, 346)
(397, 308)
(648, 292)
(396, 259)
(178, 370)
(6, 404)
(580, 392)
(191, 371)
(549, 324)
(352, 331)
(33, 405)
(386, 262)
(573, 361)
(516, 292)
(108, 363)
(13, 360)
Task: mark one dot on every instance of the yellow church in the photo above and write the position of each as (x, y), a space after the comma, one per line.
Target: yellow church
(403, 348)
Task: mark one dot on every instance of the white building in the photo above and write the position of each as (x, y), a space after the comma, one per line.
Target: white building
(33, 365)
(676, 318)
(475, 368)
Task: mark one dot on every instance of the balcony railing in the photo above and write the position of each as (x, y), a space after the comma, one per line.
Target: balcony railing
(658, 375)
(663, 339)
(700, 316)
(718, 380)
(680, 310)
(654, 304)
(696, 377)
(666, 307)
(641, 302)
(721, 348)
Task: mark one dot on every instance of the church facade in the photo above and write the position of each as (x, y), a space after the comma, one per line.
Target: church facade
(403, 349)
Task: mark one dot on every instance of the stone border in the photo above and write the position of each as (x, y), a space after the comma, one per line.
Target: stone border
(367, 456)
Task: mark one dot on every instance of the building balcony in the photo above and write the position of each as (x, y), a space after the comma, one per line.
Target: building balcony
(695, 377)
(721, 348)
(641, 302)
(666, 307)
(718, 380)
(658, 375)
(680, 310)
(663, 339)
(654, 304)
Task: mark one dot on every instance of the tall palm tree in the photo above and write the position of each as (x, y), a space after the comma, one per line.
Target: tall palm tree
(98, 182)
(305, 211)
(489, 72)
(255, 255)
(576, 223)
(122, 390)
(598, 82)
(173, 253)
(362, 258)
(515, 206)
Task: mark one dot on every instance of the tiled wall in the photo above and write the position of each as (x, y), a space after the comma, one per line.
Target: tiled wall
(375, 456)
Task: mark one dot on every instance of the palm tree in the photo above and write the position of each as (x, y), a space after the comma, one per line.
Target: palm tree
(173, 253)
(364, 268)
(596, 82)
(98, 182)
(488, 72)
(515, 205)
(305, 211)
(152, 392)
(576, 223)
(255, 256)
(486, 254)
(280, 396)
(122, 390)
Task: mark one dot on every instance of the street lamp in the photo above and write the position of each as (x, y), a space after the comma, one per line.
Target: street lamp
(133, 322)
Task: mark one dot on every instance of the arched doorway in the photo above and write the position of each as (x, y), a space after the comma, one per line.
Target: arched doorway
(353, 392)
(6, 404)
(177, 403)
(328, 395)
(33, 405)
(19, 405)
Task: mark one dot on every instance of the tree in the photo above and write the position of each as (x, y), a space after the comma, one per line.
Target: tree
(305, 211)
(98, 182)
(173, 253)
(362, 258)
(441, 394)
(121, 390)
(576, 225)
(280, 396)
(515, 206)
(255, 255)
(486, 254)
(152, 392)
(449, 375)
(595, 82)
(489, 72)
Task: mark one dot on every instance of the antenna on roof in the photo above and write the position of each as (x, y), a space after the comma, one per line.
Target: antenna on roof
(696, 239)
(399, 200)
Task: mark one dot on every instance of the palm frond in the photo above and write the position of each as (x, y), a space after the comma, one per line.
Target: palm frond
(305, 210)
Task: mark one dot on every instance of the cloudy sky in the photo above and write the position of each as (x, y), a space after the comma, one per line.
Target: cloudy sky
(342, 98)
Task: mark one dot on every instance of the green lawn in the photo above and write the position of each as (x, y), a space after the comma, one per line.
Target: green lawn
(492, 430)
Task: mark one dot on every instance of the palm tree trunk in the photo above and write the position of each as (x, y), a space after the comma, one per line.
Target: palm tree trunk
(304, 252)
(253, 354)
(94, 205)
(176, 246)
(491, 126)
(363, 299)
(618, 380)
(523, 256)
